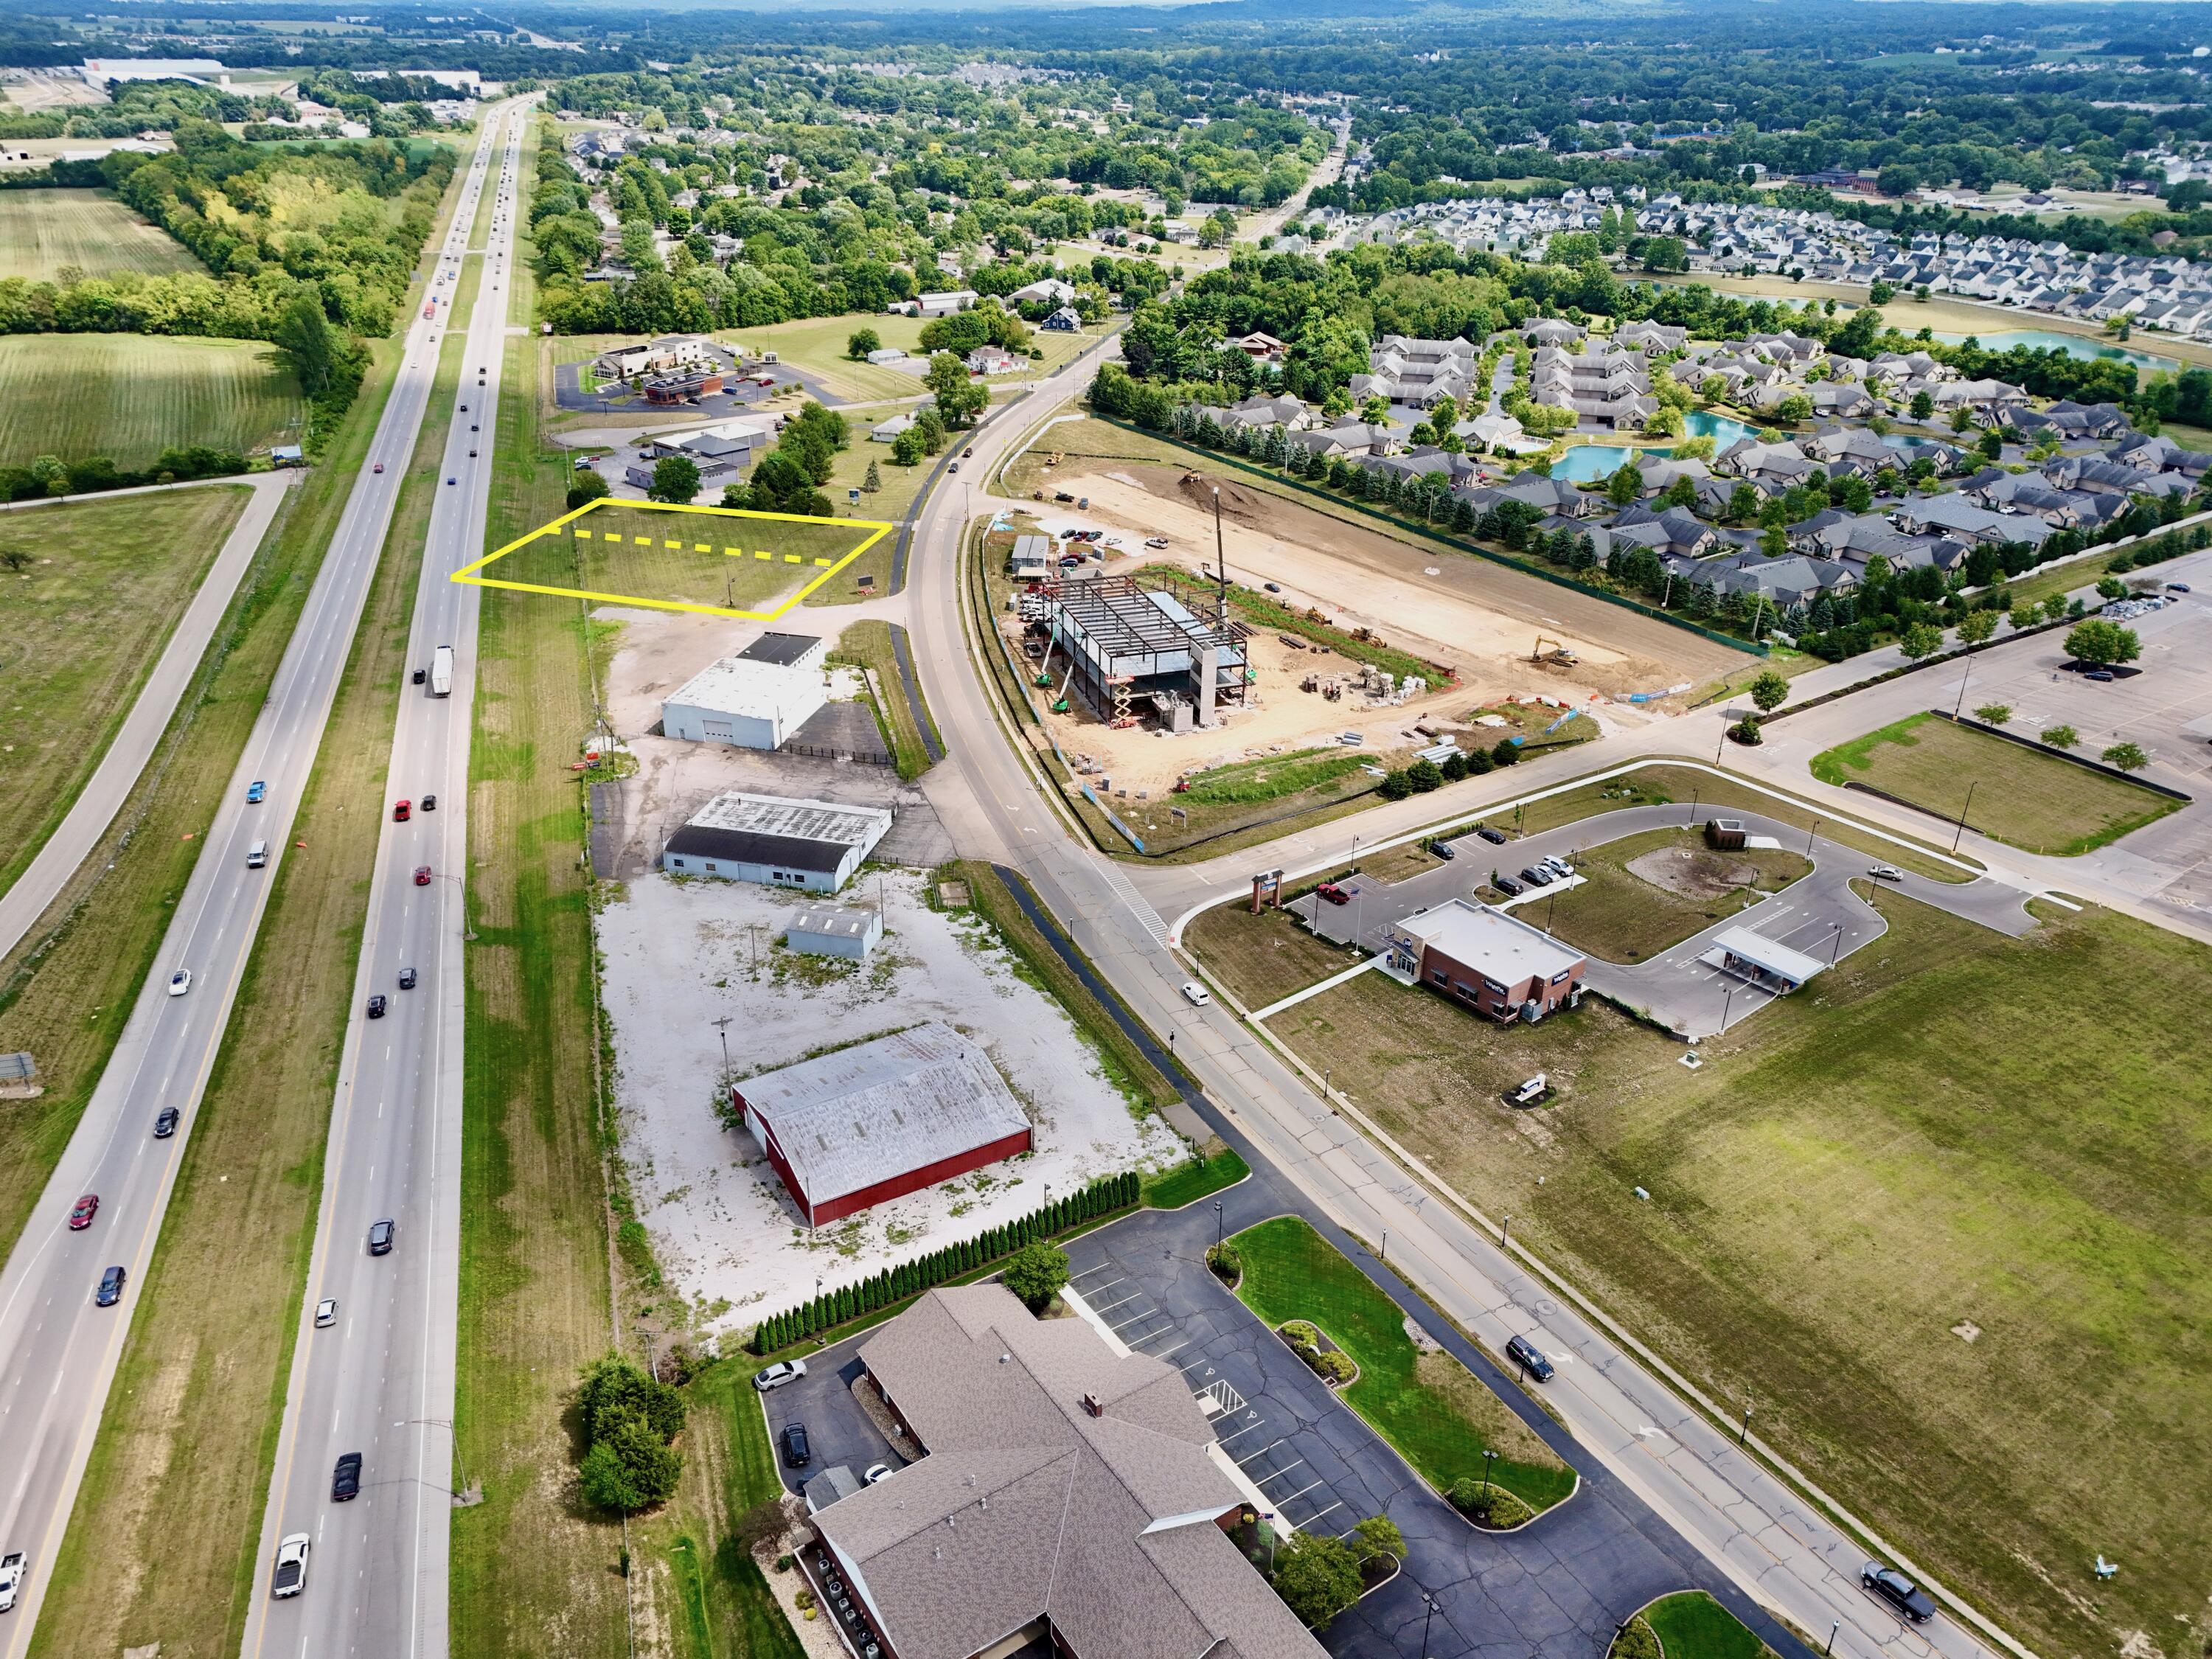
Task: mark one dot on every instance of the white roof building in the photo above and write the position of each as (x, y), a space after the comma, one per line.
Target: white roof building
(755, 700)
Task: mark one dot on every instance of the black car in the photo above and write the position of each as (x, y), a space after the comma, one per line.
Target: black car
(376, 1006)
(111, 1289)
(1904, 1596)
(1495, 837)
(1529, 1357)
(1443, 850)
(429, 803)
(379, 1237)
(165, 1123)
(345, 1479)
(796, 1451)
(1537, 876)
(1505, 884)
(406, 979)
(421, 675)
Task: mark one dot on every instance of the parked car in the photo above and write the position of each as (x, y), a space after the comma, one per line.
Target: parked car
(2176, 587)
(796, 1451)
(327, 1313)
(1529, 1357)
(1156, 542)
(380, 1235)
(1536, 875)
(376, 1006)
(80, 1216)
(165, 1123)
(1333, 893)
(1905, 1597)
(1886, 872)
(291, 1576)
(345, 1478)
(256, 792)
(777, 1375)
(111, 1289)
(2103, 676)
(406, 979)
(1495, 837)
(1196, 994)
(1505, 884)
(402, 811)
(878, 1473)
(1444, 850)
(180, 981)
(422, 875)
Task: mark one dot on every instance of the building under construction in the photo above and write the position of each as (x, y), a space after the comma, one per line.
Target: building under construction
(1130, 651)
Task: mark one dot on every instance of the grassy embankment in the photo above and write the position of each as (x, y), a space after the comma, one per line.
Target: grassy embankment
(101, 590)
(130, 396)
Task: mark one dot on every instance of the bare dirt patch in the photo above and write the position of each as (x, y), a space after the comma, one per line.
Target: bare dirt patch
(1695, 872)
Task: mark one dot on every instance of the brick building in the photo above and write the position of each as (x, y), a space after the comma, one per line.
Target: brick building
(1488, 961)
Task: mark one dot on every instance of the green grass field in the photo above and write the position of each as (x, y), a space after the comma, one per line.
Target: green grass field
(1202, 1177)
(1617, 914)
(130, 396)
(1692, 1626)
(1427, 1405)
(1949, 1234)
(44, 233)
(83, 621)
(2023, 797)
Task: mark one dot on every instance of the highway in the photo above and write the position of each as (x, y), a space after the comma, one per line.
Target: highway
(379, 1379)
(1727, 1504)
(58, 1351)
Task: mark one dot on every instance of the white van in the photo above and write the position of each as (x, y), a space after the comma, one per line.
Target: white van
(257, 855)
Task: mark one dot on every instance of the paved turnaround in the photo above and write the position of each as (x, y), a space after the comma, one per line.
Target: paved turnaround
(57, 1352)
(1777, 1545)
(379, 1381)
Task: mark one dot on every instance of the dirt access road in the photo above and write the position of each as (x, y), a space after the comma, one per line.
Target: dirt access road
(1479, 617)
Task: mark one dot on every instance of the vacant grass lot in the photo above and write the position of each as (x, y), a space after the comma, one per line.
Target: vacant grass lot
(1261, 959)
(1200, 1178)
(1692, 1626)
(83, 621)
(2021, 796)
(677, 558)
(1949, 1234)
(128, 397)
(46, 232)
(1427, 1405)
(1619, 915)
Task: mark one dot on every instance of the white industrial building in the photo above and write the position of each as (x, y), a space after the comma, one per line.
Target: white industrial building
(776, 841)
(833, 930)
(755, 699)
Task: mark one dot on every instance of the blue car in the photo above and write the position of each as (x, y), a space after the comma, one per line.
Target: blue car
(254, 792)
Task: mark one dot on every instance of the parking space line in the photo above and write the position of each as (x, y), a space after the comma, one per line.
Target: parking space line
(1132, 1296)
(1278, 1474)
(1224, 1439)
(1262, 1452)
(1284, 1503)
(1165, 1353)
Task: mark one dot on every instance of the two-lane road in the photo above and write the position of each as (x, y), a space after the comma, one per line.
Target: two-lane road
(59, 1353)
(379, 1380)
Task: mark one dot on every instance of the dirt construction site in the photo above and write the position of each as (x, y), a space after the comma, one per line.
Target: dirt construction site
(1483, 620)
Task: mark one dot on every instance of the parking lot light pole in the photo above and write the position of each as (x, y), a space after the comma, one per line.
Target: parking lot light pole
(1809, 833)
(1833, 1626)
(1217, 1229)
(1488, 1458)
(1502, 1228)
(1743, 1430)
(1428, 1612)
(1962, 815)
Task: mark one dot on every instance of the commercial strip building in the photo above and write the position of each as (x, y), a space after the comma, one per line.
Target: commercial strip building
(1066, 1493)
(1495, 965)
(862, 1126)
(776, 841)
(753, 700)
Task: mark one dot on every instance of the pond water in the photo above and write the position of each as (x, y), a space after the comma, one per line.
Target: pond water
(1722, 429)
(1586, 463)
(2074, 345)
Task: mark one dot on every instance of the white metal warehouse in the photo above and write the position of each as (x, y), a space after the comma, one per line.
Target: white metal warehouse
(755, 699)
(776, 841)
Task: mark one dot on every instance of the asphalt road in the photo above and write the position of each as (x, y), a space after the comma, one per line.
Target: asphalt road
(1728, 1506)
(57, 1352)
(379, 1381)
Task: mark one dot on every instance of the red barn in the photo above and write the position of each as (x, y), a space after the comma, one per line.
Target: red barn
(876, 1121)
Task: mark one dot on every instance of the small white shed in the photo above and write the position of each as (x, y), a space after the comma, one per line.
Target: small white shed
(835, 930)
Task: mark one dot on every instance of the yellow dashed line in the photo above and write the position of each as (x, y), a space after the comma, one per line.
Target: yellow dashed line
(734, 552)
(583, 535)
(674, 546)
(792, 558)
(762, 553)
(643, 541)
(700, 547)
(824, 562)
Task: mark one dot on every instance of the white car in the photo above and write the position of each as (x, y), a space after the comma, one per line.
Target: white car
(11, 1576)
(327, 1313)
(776, 1376)
(291, 1567)
(1886, 873)
(180, 981)
(1156, 541)
(1196, 994)
(878, 1473)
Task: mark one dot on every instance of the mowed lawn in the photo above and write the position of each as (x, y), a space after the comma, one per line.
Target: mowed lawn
(44, 233)
(80, 626)
(2023, 797)
(739, 560)
(130, 396)
(1945, 1216)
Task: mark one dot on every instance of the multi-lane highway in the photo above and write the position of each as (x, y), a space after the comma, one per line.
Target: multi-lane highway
(57, 1351)
(378, 1378)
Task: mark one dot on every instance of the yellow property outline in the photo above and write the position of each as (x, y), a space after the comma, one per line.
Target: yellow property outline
(877, 529)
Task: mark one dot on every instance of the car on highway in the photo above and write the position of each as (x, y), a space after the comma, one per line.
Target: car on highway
(452, 481)
(165, 1123)
(1903, 1597)
(421, 675)
(878, 1473)
(780, 1375)
(80, 1216)
(111, 1289)
(180, 981)
(402, 811)
(380, 1235)
(345, 1478)
(472, 454)
(327, 1313)
(955, 467)
(406, 979)
(1529, 1357)
(376, 1006)
(422, 875)
(1886, 872)
(1495, 837)
(1271, 588)
(796, 1451)
(379, 466)
(473, 427)
(465, 409)
(11, 1578)
(970, 450)
(291, 1575)
(256, 792)
(429, 802)
(1196, 994)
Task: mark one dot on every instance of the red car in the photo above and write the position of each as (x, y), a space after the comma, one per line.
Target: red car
(422, 875)
(87, 1207)
(402, 811)
(1333, 893)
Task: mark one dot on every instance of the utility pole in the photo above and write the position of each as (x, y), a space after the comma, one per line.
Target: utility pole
(722, 1026)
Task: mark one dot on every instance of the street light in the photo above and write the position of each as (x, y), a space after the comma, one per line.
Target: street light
(1809, 833)
(1488, 1458)
(1726, 1003)
(1962, 815)
(447, 1424)
(1217, 1227)
(1501, 1227)
(1834, 1626)
(1428, 1612)
(1743, 1430)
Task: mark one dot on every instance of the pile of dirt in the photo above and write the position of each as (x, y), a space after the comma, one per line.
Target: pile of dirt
(1695, 872)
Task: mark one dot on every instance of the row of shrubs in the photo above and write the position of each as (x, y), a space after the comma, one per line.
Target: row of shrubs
(49, 476)
(1424, 775)
(1330, 1365)
(895, 1284)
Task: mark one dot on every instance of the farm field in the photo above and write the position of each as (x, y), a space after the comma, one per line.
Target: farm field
(44, 232)
(2021, 796)
(130, 396)
(103, 584)
(1928, 1151)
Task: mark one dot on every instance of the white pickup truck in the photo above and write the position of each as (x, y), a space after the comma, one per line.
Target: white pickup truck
(11, 1578)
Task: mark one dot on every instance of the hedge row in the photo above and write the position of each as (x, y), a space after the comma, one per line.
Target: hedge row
(894, 1285)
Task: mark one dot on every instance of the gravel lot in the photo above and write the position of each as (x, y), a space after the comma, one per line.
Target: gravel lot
(680, 954)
